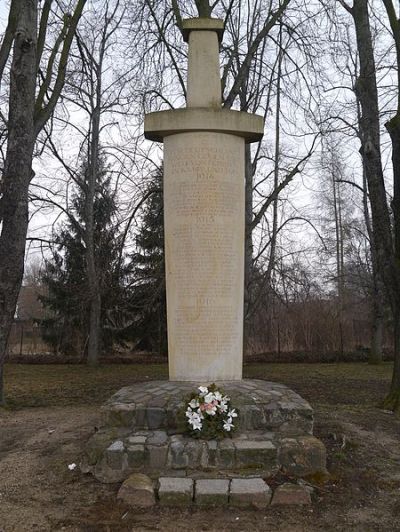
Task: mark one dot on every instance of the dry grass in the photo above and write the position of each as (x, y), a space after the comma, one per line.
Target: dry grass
(63, 385)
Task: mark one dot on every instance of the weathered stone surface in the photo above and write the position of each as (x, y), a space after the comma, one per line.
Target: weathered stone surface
(115, 455)
(302, 456)
(249, 492)
(210, 454)
(115, 452)
(98, 443)
(156, 417)
(226, 454)
(157, 456)
(134, 440)
(204, 203)
(261, 454)
(158, 437)
(211, 492)
(175, 491)
(137, 490)
(291, 494)
(262, 405)
(136, 456)
(177, 457)
(118, 414)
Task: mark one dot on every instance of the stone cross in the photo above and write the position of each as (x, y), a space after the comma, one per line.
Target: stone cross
(204, 202)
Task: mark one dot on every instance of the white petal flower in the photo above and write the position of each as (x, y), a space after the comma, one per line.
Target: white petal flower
(228, 425)
(223, 407)
(232, 413)
(209, 398)
(194, 403)
(71, 467)
(218, 396)
(203, 391)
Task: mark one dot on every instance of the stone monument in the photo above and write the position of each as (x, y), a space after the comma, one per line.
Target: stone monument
(144, 428)
(204, 184)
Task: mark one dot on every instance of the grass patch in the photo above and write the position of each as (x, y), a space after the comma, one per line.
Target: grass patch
(62, 385)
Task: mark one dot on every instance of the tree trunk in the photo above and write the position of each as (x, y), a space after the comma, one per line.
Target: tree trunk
(17, 171)
(377, 293)
(370, 150)
(375, 355)
(91, 262)
(393, 127)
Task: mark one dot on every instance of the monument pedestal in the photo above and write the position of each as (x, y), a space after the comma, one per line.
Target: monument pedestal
(144, 427)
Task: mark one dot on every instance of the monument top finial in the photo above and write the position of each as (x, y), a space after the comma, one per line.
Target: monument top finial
(202, 24)
(204, 79)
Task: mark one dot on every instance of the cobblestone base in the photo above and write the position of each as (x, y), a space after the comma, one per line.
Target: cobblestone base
(142, 434)
(157, 405)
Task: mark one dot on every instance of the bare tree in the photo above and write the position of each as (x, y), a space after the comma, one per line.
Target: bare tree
(27, 115)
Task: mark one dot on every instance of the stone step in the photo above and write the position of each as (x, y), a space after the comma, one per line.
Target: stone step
(156, 405)
(140, 491)
(113, 454)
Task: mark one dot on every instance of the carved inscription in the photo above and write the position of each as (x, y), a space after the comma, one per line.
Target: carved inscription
(221, 325)
(204, 209)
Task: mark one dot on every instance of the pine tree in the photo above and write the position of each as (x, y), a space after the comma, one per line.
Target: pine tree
(148, 300)
(65, 274)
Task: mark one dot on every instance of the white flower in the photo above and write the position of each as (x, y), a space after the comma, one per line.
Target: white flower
(223, 407)
(194, 403)
(203, 391)
(232, 413)
(228, 425)
(218, 396)
(71, 467)
(195, 421)
(209, 398)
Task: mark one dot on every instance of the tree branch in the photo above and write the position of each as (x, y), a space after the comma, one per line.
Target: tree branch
(8, 35)
(272, 197)
(43, 114)
(245, 67)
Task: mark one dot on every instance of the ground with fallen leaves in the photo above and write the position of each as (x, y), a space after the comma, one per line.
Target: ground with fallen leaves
(53, 409)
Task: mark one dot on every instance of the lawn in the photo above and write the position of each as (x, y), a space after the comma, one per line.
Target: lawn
(61, 385)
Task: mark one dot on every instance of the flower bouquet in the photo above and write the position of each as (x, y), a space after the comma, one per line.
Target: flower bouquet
(209, 414)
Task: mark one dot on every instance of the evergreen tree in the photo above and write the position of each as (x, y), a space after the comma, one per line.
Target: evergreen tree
(148, 300)
(65, 274)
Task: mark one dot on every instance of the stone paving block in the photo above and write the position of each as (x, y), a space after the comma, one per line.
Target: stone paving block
(158, 437)
(156, 417)
(211, 492)
(140, 417)
(157, 456)
(226, 454)
(115, 454)
(210, 454)
(249, 492)
(193, 449)
(302, 456)
(136, 456)
(175, 491)
(250, 453)
(177, 457)
(288, 494)
(119, 415)
(134, 440)
(137, 490)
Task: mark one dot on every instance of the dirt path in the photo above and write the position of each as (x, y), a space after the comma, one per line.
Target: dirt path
(38, 492)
